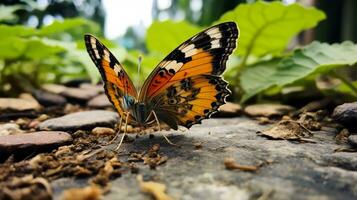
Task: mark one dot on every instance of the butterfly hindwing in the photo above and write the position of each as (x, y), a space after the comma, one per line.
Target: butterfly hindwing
(192, 99)
(117, 83)
(192, 72)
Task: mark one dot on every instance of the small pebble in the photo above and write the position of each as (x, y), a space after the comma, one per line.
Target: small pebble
(10, 129)
(103, 131)
(352, 139)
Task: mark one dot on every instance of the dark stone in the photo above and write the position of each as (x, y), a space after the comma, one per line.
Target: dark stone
(81, 120)
(49, 99)
(346, 114)
(76, 82)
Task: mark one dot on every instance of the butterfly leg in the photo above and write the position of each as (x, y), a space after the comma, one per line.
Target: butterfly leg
(125, 129)
(158, 124)
(117, 134)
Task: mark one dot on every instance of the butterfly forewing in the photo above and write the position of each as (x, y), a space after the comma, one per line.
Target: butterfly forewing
(117, 83)
(186, 86)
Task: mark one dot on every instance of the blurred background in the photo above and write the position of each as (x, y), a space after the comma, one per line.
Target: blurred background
(45, 38)
(126, 22)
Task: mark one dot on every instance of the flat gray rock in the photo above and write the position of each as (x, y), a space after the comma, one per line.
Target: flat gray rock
(100, 101)
(267, 110)
(81, 120)
(79, 93)
(33, 141)
(288, 170)
(88, 86)
(49, 99)
(229, 110)
(15, 104)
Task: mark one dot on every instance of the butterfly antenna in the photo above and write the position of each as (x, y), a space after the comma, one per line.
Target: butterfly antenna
(140, 59)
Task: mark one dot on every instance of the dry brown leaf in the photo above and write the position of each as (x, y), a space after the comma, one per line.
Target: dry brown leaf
(87, 193)
(63, 150)
(311, 120)
(263, 120)
(345, 149)
(286, 129)
(342, 136)
(231, 165)
(157, 190)
(198, 145)
(25, 188)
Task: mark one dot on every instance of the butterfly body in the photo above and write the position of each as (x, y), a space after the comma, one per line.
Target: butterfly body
(141, 113)
(185, 88)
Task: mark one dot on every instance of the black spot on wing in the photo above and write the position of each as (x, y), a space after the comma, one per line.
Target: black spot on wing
(179, 56)
(202, 41)
(100, 48)
(112, 61)
(172, 71)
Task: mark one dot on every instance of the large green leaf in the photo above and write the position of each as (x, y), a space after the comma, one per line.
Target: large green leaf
(17, 30)
(12, 47)
(54, 28)
(267, 28)
(315, 58)
(256, 77)
(61, 26)
(165, 36)
(38, 49)
(32, 48)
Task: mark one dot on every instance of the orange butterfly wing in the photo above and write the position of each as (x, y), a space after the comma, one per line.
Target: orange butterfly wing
(117, 83)
(186, 86)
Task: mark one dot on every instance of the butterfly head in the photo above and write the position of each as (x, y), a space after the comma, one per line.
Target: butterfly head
(128, 102)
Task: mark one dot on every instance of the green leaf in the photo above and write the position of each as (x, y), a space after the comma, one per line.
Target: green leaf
(313, 59)
(62, 26)
(38, 49)
(254, 79)
(165, 36)
(12, 47)
(267, 28)
(343, 88)
(17, 30)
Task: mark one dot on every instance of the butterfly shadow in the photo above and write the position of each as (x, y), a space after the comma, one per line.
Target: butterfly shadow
(184, 146)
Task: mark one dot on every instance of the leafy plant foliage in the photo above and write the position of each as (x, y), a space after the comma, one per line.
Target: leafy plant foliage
(314, 59)
(30, 56)
(267, 28)
(262, 62)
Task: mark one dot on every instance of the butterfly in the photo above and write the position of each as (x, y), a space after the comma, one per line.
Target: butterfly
(184, 88)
